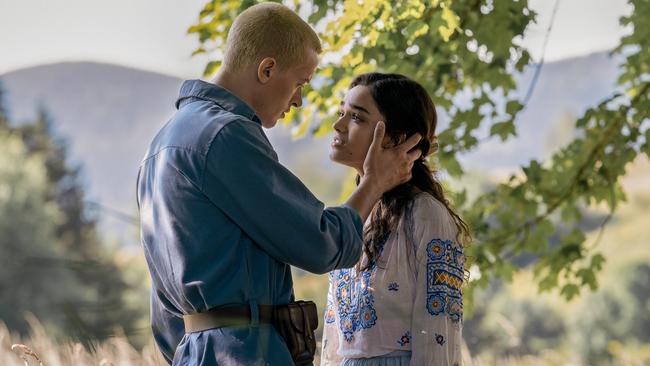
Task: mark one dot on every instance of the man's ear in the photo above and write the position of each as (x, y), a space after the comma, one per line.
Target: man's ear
(266, 69)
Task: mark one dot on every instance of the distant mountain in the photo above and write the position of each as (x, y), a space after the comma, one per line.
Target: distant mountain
(110, 113)
(107, 113)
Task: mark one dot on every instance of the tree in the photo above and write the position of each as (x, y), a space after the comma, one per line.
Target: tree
(27, 227)
(59, 268)
(4, 117)
(470, 50)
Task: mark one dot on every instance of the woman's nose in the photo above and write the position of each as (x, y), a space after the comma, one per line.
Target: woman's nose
(339, 125)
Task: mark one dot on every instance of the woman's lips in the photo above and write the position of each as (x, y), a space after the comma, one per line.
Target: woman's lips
(336, 142)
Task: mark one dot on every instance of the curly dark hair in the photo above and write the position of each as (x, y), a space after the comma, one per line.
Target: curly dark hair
(407, 109)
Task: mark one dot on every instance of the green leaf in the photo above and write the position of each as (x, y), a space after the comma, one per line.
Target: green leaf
(533, 171)
(416, 29)
(503, 129)
(548, 282)
(513, 107)
(198, 51)
(451, 165)
(570, 212)
(588, 277)
(211, 68)
(569, 291)
(538, 240)
(597, 262)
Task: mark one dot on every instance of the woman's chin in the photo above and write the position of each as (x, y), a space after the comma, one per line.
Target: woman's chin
(334, 157)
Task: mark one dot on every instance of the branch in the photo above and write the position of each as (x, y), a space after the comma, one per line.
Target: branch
(579, 175)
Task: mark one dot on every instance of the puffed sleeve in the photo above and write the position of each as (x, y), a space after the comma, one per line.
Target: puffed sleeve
(330, 343)
(436, 325)
(245, 180)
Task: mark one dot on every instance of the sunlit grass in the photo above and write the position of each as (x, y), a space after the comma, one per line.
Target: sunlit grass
(38, 349)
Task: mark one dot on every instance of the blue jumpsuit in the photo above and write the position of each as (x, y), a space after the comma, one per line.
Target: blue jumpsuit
(221, 222)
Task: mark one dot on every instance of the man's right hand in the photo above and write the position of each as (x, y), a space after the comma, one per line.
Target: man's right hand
(389, 167)
(383, 170)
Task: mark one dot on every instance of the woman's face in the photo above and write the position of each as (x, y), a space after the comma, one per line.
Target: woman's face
(354, 129)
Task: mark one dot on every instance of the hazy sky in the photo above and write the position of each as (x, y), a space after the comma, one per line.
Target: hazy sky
(151, 34)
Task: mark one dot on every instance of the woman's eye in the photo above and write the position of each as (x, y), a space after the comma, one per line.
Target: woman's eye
(355, 116)
(341, 113)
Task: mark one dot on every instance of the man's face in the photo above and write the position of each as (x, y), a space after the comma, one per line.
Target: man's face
(284, 90)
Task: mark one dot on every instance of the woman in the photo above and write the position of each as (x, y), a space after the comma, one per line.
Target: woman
(402, 304)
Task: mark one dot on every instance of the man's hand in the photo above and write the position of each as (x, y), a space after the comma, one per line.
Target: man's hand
(389, 167)
(384, 169)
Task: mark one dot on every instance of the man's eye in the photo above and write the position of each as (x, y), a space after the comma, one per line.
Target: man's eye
(341, 113)
(355, 116)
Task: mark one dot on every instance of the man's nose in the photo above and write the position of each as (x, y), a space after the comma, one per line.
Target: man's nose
(297, 99)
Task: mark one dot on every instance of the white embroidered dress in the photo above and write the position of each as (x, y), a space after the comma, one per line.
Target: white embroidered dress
(410, 299)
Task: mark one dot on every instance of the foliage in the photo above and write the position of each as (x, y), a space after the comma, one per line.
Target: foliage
(27, 228)
(57, 267)
(618, 316)
(465, 53)
(4, 115)
(506, 326)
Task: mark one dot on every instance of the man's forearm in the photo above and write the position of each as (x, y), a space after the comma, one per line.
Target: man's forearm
(364, 198)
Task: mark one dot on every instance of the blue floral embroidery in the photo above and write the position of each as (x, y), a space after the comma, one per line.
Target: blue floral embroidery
(436, 304)
(393, 286)
(354, 300)
(405, 339)
(445, 270)
(329, 312)
(440, 339)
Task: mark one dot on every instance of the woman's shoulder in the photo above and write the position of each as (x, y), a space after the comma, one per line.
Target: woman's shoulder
(425, 204)
(428, 211)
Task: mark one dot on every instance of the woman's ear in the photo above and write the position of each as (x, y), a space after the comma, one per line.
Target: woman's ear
(266, 68)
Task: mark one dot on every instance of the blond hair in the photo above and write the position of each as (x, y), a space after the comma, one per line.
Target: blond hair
(268, 30)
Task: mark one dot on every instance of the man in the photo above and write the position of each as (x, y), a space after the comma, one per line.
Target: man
(222, 220)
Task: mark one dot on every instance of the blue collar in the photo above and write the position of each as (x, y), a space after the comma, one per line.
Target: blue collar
(207, 91)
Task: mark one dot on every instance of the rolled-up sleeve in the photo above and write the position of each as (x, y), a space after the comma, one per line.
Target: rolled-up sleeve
(271, 205)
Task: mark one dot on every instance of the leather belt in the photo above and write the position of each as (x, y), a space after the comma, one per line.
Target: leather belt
(230, 316)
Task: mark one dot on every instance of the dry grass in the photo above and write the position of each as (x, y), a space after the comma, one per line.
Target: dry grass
(38, 349)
